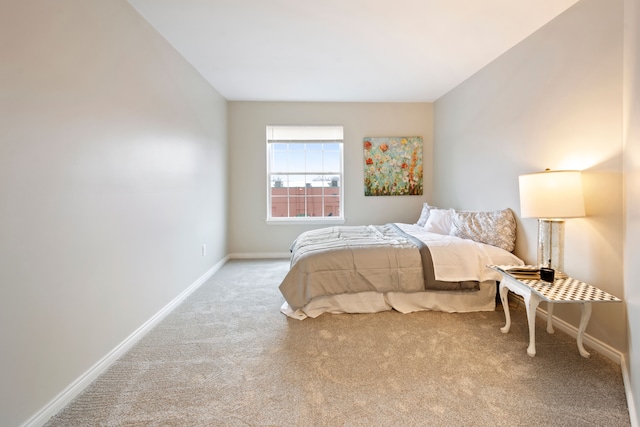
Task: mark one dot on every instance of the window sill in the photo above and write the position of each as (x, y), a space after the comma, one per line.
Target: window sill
(305, 221)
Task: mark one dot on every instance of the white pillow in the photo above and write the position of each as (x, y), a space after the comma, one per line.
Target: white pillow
(439, 221)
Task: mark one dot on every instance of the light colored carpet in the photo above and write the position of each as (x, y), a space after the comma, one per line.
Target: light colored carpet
(228, 357)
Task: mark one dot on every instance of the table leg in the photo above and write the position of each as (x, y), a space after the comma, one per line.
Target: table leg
(504, 297)
(550, 318)
(584, 320)
(531, 302)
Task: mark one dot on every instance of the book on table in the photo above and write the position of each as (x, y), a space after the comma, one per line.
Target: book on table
(529, 272)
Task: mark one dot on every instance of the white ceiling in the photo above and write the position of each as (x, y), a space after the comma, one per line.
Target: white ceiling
(343, 50)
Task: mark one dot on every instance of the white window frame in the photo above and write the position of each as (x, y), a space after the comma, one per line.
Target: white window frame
(304, 135)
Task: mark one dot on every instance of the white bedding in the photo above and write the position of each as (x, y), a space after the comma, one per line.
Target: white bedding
(404, 302)
(454, 259)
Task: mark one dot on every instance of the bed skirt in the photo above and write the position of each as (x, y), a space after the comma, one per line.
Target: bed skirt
(373, 302)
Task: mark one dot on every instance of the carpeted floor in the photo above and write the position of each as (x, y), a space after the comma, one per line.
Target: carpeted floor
(228, 357)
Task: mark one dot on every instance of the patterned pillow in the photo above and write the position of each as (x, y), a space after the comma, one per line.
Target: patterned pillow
(497, 228)
(424, 215)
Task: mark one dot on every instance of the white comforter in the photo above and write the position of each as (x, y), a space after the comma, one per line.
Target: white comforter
(456, 259)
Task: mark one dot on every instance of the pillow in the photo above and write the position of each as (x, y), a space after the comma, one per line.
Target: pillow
(424, 215)
(497, 228)
(439, 221)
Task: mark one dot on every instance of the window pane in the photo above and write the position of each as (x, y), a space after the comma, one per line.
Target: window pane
(279, 161)
(331, 161)
(314, 180)
(314, 203)
(278, 181)
(321, 181)
(333, 187)
(280, 206)
(332, 206)
(314, 161)
(280, 192)
(293, 181)
(297, 160)
(297, 206)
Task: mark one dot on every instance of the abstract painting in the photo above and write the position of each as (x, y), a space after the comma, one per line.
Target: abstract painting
(393, 166)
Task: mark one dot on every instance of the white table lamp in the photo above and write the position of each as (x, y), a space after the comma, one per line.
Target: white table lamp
(551, 196)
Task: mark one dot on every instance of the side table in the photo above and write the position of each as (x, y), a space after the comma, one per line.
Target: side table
(562, 290)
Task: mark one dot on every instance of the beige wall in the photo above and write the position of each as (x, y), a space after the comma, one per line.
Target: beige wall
(632, 191)
(112, 175)
(553, 101)
(248, 232)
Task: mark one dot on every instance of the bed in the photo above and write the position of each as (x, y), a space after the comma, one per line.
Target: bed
(438, 263)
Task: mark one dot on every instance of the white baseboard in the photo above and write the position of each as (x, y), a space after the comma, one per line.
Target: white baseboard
(260, 255)
(76, 387)
(633, 415)
(602, 348)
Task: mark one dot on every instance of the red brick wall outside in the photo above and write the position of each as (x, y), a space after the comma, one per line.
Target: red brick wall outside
(305, 201)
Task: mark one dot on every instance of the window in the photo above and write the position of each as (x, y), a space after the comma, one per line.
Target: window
(304, 168)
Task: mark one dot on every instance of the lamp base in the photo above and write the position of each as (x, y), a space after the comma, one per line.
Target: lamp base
(551, 244)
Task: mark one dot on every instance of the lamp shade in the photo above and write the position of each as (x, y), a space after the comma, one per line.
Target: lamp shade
(551, 195)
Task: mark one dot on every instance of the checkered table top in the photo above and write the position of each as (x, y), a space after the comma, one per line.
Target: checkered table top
(564, 290)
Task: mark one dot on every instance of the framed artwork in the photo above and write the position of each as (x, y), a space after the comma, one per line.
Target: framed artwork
(393, 166)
